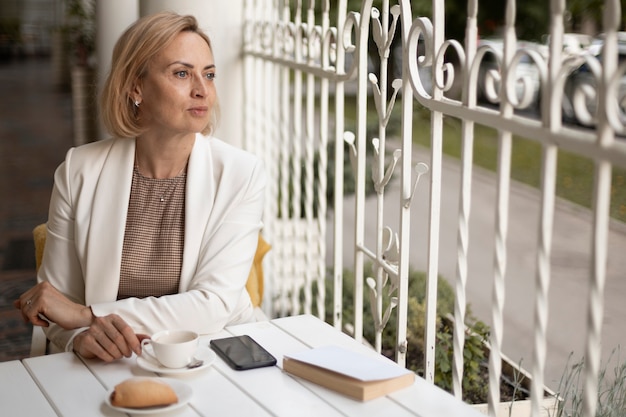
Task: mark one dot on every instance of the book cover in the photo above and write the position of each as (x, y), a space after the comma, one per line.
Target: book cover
(353, 374)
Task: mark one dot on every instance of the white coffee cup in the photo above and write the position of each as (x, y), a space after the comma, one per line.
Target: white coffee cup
(172, 348)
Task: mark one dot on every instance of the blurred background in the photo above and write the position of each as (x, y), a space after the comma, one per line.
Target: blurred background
(35, 132)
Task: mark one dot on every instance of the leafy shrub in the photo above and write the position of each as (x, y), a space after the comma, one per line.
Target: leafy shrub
(474, 386)
(475, 389)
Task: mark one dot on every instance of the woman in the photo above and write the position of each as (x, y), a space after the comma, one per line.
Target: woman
(157, 227)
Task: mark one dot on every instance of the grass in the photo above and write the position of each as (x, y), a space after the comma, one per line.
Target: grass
(611, 390)
(575, 173)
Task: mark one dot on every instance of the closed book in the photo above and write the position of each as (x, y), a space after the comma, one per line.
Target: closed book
(349, 373)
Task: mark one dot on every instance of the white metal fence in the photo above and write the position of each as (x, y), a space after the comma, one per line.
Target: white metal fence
(302, 70)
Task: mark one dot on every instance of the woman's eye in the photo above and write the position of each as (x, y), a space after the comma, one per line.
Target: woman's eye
(181, 74)
(210, 76)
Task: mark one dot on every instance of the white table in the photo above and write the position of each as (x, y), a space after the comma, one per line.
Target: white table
(66, 385)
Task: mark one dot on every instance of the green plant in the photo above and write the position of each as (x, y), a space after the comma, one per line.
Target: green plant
(474, 353)
(474, 357)
(81, 29)
(611, 389)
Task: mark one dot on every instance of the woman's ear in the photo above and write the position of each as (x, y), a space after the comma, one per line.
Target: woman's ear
(135, 94)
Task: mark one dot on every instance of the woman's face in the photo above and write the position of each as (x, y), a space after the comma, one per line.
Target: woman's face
(177, 93)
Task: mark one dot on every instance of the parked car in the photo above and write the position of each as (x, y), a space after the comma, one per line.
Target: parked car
(573, 43)
(526, 70)
(580, 96)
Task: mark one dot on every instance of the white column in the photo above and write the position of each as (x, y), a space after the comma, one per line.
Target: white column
(223, 22)
(112, 19)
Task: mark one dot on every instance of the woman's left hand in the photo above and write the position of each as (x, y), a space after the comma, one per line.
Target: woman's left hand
(44, 302)
(108, 338)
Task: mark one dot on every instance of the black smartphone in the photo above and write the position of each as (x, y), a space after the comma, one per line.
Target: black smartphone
(242, 352)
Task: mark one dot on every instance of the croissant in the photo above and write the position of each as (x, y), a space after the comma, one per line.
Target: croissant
(142, 393)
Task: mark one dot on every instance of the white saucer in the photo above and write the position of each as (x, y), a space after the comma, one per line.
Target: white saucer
(203, 353)
(182, 390)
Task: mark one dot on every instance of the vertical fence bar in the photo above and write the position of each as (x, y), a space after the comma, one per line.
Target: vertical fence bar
(309, 142)
(406, 187)
(361, 138)
(381, 84)
(272, 143)
(248, 62)
(296, 160)
(601, 210)
(339, 171)
(286, 248)
(546, 217)
(275, 286)
(436, 143)
(502, 217)
(322, 168)
(465, 198)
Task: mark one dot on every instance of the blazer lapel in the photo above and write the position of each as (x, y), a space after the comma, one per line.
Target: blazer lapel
(108, 223)
(199, 195)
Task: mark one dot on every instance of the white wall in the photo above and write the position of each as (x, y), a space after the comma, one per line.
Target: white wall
(112, 19)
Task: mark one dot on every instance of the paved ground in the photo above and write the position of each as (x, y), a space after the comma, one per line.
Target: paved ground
(35, 133)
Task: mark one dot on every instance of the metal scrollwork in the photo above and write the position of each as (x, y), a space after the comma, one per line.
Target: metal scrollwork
(585, 97)
(330, 46)
(422, 29)
(380, 185)
(349, 138)
(420, 169)
(444, 71)
(391, 254)
(616, 100)
(381, 37)
(529, 87)
(384, 113)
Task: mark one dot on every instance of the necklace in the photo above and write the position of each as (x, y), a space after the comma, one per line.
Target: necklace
(172, 183)
(172, 186)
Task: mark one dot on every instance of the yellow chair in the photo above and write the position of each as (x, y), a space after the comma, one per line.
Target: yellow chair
(254, 285)
(39, 236)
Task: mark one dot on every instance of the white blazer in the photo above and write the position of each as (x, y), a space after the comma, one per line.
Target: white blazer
(86, 223)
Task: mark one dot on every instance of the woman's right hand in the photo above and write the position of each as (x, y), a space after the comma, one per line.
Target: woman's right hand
(43, 303)
(108, 338)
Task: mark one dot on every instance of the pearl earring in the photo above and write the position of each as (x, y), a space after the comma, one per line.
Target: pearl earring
(137, 102)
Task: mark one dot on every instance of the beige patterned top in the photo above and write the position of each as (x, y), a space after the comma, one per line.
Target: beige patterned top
(153, 241)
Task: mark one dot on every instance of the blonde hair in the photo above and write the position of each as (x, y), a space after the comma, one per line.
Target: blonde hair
(132, 53)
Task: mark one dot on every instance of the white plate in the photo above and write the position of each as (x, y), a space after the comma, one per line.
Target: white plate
(203, 353)
(182, 390)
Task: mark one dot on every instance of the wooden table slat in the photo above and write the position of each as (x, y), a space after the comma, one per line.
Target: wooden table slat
(73, 390)
(19, 394)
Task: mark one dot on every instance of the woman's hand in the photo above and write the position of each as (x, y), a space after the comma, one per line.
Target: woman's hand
(108, 338)
(44, 302)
